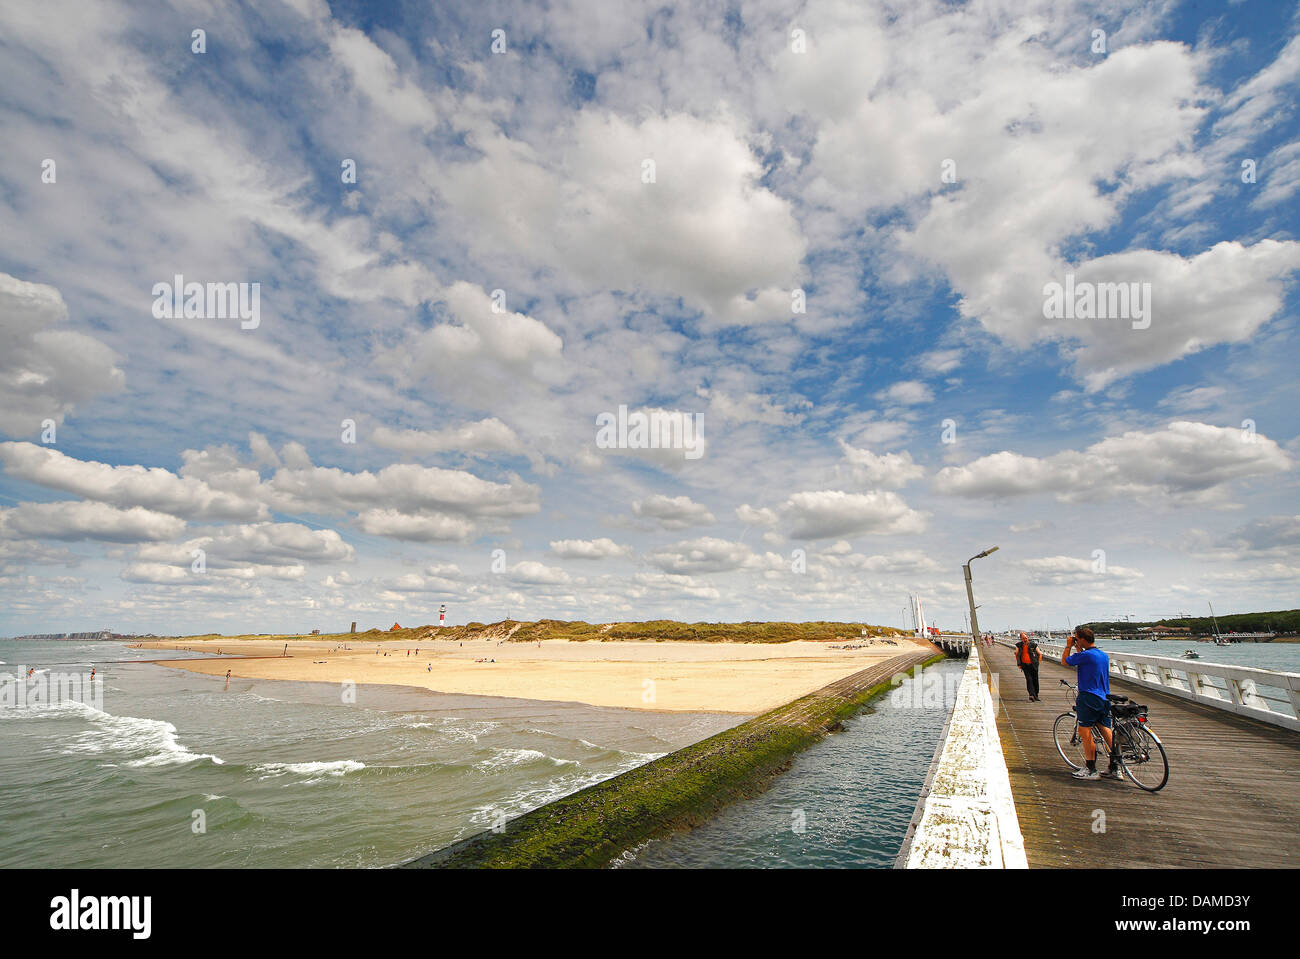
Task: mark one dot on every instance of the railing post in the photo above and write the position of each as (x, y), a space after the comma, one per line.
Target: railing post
(1250, 695)
(1234, 691)
(1293, 694)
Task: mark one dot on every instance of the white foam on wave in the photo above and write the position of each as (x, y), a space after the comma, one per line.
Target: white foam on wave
(338, 767)
(68, 707)
(520, 757)
(456, 729)
(628, 855)
(154, 738)
(644, 757)
(533, 795)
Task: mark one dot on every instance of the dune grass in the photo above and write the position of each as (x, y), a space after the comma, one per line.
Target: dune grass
(655, 630)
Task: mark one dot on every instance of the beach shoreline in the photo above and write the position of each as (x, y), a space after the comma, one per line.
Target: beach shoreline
(744, 678)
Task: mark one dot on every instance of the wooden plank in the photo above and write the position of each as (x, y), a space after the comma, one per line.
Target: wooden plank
(1233, 797)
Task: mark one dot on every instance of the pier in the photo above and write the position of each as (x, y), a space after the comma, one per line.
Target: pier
(1232, 800)
(954, 644)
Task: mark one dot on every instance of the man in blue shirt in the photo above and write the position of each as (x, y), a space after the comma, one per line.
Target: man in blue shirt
(1092, 703)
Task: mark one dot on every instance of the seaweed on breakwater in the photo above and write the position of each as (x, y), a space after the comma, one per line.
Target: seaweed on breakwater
(593, 826)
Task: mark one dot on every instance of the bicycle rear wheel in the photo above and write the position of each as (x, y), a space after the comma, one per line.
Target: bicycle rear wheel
(1143, 757)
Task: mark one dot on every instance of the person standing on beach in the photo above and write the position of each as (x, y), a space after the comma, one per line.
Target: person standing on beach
(1028, 656)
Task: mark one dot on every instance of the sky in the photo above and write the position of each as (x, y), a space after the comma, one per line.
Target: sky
(823, 235)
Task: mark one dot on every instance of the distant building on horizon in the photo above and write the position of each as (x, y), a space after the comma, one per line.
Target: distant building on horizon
(100, 634)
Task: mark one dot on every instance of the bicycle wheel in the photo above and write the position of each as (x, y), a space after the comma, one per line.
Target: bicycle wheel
(1143, 757)
(1068, 742)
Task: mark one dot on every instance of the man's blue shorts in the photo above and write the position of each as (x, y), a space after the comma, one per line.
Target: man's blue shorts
(1092, 710)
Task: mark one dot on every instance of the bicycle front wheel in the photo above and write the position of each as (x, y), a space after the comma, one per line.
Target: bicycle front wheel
(1143, 758)
(1068, 742)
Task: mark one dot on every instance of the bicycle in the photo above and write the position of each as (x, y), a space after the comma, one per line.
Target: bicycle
(1141, 754)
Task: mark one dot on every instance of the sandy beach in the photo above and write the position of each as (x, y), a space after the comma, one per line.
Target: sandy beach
(745, 678)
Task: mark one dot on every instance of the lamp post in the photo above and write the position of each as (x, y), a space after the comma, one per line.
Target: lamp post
(970, 596)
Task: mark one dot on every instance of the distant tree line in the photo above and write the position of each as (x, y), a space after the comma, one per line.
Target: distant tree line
(1279, 621)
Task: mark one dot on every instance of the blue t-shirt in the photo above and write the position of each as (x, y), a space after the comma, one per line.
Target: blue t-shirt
(1094, 671)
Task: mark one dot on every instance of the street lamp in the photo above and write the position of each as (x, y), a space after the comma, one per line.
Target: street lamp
(970, 596)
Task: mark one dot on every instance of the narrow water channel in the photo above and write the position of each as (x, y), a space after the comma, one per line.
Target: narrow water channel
(846, 801)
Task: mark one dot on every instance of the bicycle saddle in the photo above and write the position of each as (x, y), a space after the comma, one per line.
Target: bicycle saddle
(1117, 699)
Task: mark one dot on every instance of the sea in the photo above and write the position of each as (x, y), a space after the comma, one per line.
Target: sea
(167, 768)
(174, 769)
(1282, 657)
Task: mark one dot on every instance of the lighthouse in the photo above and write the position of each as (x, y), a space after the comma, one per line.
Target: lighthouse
(442, 615)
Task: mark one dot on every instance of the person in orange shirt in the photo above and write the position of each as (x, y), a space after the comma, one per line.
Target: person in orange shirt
(1028, 656)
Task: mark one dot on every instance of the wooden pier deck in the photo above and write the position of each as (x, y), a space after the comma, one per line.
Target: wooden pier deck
(1233, 797)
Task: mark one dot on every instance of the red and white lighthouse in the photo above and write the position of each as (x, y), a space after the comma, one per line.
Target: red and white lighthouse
(442, 615)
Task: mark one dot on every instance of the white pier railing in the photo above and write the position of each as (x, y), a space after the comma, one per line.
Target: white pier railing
(1264, 694)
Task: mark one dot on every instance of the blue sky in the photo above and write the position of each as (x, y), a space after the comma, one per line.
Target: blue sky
(1121, 470)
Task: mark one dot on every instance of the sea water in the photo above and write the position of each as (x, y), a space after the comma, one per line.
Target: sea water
(845, 802)
(173, 768)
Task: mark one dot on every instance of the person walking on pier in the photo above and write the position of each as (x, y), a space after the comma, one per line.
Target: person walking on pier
(1028, 656)
(1092, 705)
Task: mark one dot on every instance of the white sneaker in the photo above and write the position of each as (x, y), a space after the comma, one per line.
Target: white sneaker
(1086, 773)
